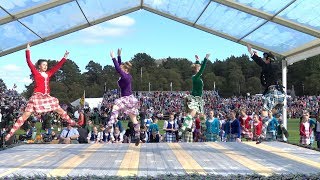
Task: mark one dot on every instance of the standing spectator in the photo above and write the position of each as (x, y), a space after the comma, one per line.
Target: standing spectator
(317, 131)
(246, 125)
(305, 129)
(257, 127)
(154, 131)
(235, 128)
(170, 127)
(0, 119)
(213, 127)
(272, 128)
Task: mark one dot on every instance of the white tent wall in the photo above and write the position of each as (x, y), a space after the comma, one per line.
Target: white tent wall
(91, 102)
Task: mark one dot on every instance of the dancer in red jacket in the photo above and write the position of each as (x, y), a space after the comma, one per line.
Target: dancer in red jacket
(41, 101)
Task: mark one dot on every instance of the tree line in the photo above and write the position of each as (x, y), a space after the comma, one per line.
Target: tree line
(233, 76)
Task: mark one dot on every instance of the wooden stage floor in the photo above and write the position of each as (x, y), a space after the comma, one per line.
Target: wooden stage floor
(154, 159)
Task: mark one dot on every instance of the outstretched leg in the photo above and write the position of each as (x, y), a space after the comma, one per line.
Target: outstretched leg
(63, 114)
(114, 115)
(18, 124)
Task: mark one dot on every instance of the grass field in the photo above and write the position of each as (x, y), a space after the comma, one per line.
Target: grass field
(293, 128)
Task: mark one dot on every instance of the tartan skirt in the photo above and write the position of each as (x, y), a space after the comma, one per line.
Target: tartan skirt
(128, 104)
(187, 136)
(41, 103)
(272, 98)
(304, 140)
(246, 134)
(210, 137)
(194, 102)
(233, 138)
(170, 137)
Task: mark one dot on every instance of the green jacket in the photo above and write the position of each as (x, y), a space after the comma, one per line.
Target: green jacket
(197, 83)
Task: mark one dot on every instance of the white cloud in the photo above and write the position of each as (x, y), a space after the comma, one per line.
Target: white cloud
(11, 67)
(122, 21)
(25, 80)
(101, 31)
(97, 34)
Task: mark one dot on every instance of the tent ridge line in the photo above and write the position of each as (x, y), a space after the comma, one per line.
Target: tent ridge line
(267, 20)
(267, 16)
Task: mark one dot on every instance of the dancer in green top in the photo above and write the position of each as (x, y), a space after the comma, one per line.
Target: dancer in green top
(194, 101)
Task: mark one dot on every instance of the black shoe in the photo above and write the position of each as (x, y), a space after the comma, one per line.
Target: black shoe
(258, 142)
(137, 140)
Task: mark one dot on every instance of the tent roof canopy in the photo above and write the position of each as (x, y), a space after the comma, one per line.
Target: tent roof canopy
(289, 28)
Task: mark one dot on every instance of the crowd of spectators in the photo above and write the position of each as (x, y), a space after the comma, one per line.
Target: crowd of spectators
(160, 106)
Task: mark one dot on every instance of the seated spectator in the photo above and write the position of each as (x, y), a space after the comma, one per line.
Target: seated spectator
(69, 135)
(129, 134)
(93, 135)
(109, 135)
(143, 134)
(30, 133)
(117, 136)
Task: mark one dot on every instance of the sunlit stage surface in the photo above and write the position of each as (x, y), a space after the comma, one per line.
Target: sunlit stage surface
(154, 159)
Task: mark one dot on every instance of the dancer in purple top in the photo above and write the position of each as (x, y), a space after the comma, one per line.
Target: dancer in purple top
(127, 102)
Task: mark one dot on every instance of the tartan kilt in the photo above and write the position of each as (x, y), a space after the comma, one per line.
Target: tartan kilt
(247, 134)
(128, 104)
(233, 137)
(170, 137)
(194, 102)
(41, 103)
(210, 137)
(304, 140)
(271, 135)
(317, 136)
(187, 136)
(273, 98)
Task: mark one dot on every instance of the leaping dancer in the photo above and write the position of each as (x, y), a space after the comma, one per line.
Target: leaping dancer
(194, 102)
(41, 101)
(127, 102)
(273, 94)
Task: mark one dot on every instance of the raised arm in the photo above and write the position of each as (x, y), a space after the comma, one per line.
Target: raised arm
(116, 64)
(58, 65)
(119, 56)
(254, 56)
(31, 66)
(203, 66)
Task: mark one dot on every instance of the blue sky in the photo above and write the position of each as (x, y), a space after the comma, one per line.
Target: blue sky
(140, 31)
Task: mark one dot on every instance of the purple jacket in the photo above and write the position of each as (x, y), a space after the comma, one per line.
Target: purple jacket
(125, 80)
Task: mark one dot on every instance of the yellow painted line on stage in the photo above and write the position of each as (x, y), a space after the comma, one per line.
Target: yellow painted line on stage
(187, 162)
(36, 160)
(73, 162)
(242, 159)
(283, 153)
(130, 163)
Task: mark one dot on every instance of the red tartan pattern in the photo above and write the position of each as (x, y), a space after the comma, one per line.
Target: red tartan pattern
(41, 103)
